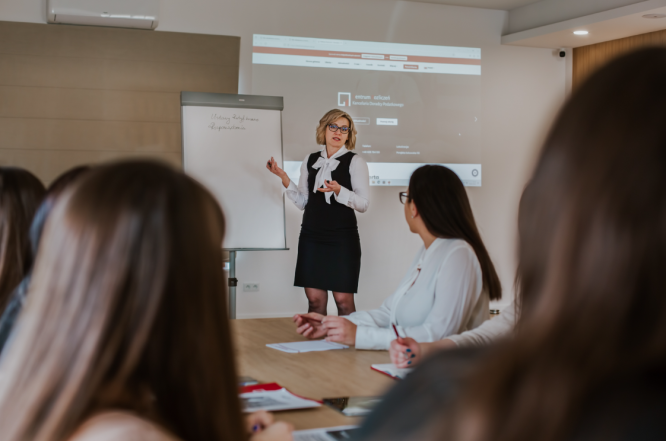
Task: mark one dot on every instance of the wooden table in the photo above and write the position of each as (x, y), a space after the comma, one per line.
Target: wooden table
(314, 375)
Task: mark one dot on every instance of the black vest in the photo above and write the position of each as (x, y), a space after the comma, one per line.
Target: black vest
(334, 217)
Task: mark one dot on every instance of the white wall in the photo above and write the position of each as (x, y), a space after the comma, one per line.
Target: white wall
(522, 88)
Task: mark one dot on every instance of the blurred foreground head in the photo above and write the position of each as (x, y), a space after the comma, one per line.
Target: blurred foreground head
(126, 311)
(588, 358)
(592, 232)
(20, 195)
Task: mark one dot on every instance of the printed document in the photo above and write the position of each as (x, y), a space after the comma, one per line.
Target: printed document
(340, 433)
(272, 400)
(306, 346)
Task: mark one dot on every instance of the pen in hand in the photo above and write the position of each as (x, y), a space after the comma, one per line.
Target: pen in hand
(401, 342)
(396, 333)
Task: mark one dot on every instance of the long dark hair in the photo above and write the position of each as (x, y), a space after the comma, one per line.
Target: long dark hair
(17, 298)
(442, 202)
(592, 234)
(53, 192)
(126, 311)
(20, 195)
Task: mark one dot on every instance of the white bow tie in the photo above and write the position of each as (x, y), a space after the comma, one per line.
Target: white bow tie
(325, 166)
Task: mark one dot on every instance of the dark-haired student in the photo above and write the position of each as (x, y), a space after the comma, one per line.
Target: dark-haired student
(448, 286)
(587, 360)
(20, 195)
(18, 296)
(125, 335)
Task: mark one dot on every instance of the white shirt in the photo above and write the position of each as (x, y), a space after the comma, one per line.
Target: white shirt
(489, 331)
(360, 180)
(445, 297)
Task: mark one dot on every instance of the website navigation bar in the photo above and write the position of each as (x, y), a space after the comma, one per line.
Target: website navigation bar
(346, 54)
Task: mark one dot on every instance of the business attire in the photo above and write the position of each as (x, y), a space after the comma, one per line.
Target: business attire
(442, 294)
(629, 407)
(329, 248)
(490, 330)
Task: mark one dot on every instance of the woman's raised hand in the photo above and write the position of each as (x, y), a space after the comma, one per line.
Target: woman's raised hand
(272, 167)
(405, 352)
(310, 325)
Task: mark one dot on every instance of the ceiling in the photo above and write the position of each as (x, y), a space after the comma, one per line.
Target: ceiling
(606, 26)
(488, 4)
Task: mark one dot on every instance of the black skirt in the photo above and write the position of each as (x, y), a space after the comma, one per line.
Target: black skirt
(331, 262)
(329, 249)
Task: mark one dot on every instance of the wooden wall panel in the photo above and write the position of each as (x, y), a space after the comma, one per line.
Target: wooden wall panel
(48, 164)
(88, 104)
(73, 95)
(587, 59)
(96, 73)
(90, 135)
(126, 44)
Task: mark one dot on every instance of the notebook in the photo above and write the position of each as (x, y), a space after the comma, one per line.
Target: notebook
(272, 397)
(392, 371)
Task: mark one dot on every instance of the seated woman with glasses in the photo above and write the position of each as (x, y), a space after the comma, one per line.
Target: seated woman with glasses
(333, 183)
(449, 285)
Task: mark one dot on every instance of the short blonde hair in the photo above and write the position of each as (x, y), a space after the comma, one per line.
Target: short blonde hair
(328, 119)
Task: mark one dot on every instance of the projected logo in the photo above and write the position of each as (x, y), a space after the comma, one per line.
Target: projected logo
(344, 99)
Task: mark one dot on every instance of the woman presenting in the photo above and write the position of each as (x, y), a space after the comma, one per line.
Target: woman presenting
(334, 182)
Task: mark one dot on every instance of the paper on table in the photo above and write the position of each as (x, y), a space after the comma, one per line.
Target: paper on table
(392, 371)
(273, 400)
(328, 434)
(306, 346)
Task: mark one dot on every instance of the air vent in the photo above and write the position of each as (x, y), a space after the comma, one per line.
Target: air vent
(137, 14)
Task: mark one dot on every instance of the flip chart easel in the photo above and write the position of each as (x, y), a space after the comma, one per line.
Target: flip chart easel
(227, 140)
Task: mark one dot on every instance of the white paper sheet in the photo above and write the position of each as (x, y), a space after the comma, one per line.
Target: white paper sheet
(274, 400)
(306, 346)
(390, 369)
(339, 433)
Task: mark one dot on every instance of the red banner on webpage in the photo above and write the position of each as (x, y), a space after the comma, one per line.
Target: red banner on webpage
(365, 56)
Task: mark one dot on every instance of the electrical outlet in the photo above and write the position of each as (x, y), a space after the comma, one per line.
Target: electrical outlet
(251, 286)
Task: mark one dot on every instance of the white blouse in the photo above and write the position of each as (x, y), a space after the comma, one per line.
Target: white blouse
(360, 180)
(490, 331)
(441, 295)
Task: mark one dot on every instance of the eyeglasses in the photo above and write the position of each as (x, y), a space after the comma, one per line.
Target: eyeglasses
(343, 129)
(404, 197)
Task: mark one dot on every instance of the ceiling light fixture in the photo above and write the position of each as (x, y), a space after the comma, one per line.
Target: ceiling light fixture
(581, 32)
(654, 16)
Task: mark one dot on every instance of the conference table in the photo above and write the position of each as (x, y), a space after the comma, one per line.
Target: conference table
(316, 375)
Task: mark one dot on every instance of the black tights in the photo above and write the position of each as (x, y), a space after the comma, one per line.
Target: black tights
(318, 300)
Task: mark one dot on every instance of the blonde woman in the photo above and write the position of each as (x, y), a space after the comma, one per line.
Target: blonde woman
(334, 183)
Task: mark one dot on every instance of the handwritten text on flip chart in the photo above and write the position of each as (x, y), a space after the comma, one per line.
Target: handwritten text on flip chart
(234, 121)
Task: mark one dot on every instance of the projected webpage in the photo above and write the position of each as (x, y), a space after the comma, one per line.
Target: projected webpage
(412, 104)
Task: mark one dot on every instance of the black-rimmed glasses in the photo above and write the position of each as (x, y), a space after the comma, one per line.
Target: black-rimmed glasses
(343, 129)
(404, 197)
